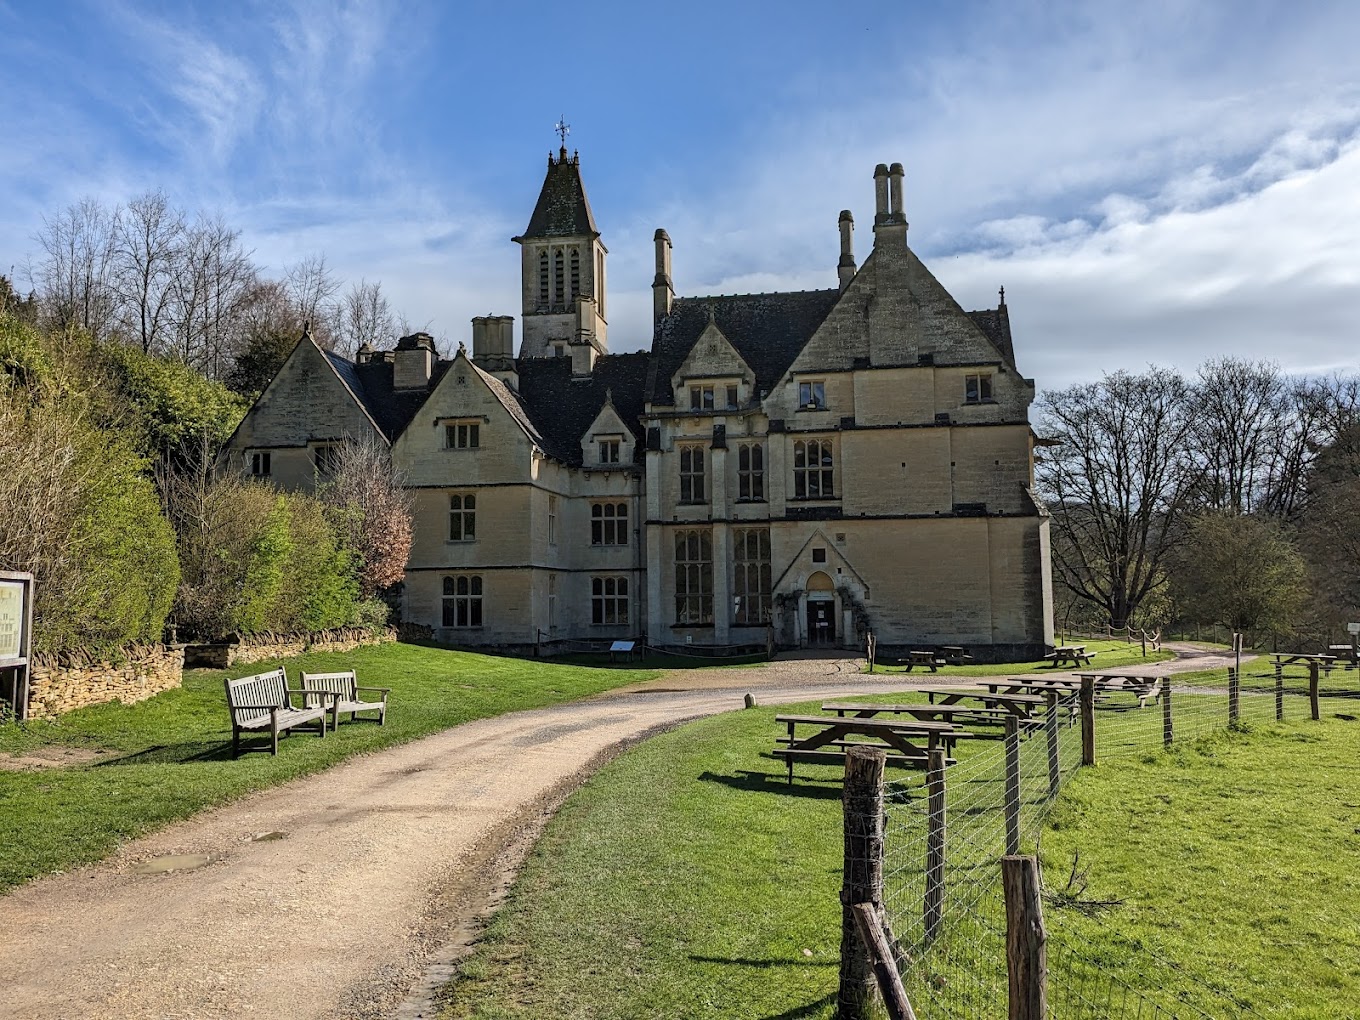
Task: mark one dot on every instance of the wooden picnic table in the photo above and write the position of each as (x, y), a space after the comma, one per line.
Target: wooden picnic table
(829, 740)
(1075, 654)
(1283, 659)
(955, 655)
(926, 713)
(1017, 704)
(1349, 653)
(918, 657)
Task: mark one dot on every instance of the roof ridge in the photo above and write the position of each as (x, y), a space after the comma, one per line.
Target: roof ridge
(760, 293)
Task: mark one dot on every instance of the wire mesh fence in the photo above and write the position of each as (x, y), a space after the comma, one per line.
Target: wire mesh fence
(942, 891)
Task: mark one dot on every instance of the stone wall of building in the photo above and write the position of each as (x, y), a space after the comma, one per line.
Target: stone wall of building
(267, 646)
(60, 684)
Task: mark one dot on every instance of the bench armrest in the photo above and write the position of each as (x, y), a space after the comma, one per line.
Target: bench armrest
(312, 691)
(384, 691)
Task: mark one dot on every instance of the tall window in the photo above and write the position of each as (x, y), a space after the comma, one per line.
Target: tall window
(977, 388)
(812, 394)
(731, 396)
(609, 450)
(552, 520)
(575, 274)
(326, 457)
(608, 601)
(691, 474)
(463, 600)
(812, 470)
(552, 601)
(543, 296)
(609, 524)
(558, 288)
(599, 283)
(751, 471)
(259, 464)
(751, 580)
(693, 577)
(463, 435)
(462, 517)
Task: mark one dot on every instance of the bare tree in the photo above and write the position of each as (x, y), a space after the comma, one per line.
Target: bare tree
(1243, 421)
(372, 509)
(210, 292)
(1118, 479)
(364, 317)
(148, 249)
(311, 287)
(75, 271)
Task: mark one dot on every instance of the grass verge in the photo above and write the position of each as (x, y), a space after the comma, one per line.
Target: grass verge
(173, 752)
(687, 879)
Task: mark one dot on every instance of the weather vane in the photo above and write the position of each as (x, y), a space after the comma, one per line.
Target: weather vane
(563, 129)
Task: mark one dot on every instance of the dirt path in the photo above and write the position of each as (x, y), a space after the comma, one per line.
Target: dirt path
(370, 877)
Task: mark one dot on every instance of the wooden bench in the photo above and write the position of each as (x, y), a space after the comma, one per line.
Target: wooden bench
(828, 744)
(1075, 654)
(955, 655)
(1017, 704)
(922, 658)
(345, 690)
(264, 702)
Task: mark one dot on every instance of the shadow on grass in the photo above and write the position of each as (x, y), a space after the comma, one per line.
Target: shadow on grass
(190, 751)
(741, 961)
(802, 1012)
(764, 782)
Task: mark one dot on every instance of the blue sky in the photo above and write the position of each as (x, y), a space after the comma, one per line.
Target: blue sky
(1161, 182)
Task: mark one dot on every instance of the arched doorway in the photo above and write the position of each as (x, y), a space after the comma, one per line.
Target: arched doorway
(821, 611)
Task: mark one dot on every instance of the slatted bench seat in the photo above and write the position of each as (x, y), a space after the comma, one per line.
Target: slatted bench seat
(346, 690)
(264, 703)
(829, 741)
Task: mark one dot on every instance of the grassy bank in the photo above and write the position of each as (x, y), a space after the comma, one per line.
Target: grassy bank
(686, 879)
(172, 754)
(1112, 655)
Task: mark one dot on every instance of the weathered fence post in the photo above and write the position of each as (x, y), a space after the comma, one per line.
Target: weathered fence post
(1234, 695)
(935, 843)
(862, 805)
(1279, 697)
(871, 932)
(1088, 720)
(1313, 677)
(1026, 939)
(1051, 734)
(1012, 785)
(1168, 734)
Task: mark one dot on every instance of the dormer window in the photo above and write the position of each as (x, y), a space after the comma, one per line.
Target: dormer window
(812, 395)
(701, 398)
(609, 448)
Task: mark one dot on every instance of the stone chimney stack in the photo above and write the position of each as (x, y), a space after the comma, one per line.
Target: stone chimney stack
(880, 193)
(412, 362)
(895, 173)
(845, 269)
(663, 292)
(481, 346)
(493, 347)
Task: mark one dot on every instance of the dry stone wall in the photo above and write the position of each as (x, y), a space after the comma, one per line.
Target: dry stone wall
(266, 646)
(60, 684)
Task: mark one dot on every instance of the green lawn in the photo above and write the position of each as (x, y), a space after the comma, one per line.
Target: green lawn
(686, 879)
(1112, 654)
(174, 750)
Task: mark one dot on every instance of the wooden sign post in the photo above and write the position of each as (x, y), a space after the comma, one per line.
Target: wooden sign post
(16, 638)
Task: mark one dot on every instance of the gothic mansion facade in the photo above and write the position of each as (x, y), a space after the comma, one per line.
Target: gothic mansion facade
(808, 465)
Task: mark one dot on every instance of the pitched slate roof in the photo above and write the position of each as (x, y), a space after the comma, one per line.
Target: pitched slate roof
(995, 324)
(562, 408)
(563, 209)
(767, 330)
(371, 383)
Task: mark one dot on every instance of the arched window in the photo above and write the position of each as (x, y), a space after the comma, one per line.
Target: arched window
(543, 279)
(557, 278)
(575, 274)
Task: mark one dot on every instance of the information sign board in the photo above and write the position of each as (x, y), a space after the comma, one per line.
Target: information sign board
(1354, 628)
(13, 617)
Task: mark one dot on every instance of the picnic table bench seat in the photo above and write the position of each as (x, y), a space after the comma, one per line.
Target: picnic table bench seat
(264, 702)
(958, 715)
(345, 696)
(833, 737)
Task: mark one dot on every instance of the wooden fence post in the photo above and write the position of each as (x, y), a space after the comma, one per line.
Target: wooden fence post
(862, 805)
(1026, 939)
(1234, 695)
(1168, 734)
(1088, 720)
(1313, 677)
(935, 843)
(870, 926)
(1279, 697)
(1051, 733)
(1012, 785)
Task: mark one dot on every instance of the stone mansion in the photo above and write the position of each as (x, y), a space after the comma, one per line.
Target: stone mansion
(808, 465)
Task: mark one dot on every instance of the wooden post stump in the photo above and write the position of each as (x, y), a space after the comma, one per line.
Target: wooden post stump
(862, 805)
(1012, 785)
(1088, 721)
(935, 843)
(1168, 734)
(1313, 672)
(1051, 735)
(1026, 939)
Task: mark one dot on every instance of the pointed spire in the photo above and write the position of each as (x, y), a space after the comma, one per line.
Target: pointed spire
(1003, 297)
